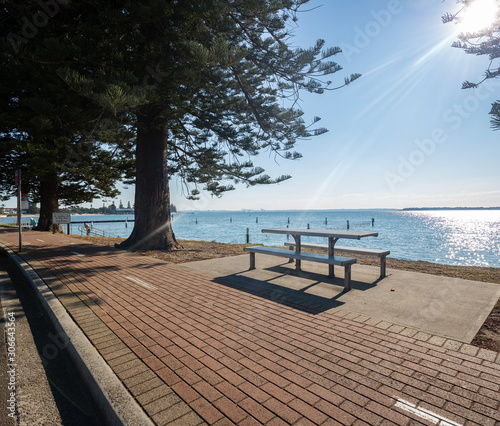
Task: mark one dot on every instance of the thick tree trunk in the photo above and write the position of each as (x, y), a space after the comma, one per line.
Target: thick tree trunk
(153, 225)
(49, 203)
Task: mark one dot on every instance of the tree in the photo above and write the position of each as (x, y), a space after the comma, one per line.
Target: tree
(482, 42)
(210, 83)
(67, 148)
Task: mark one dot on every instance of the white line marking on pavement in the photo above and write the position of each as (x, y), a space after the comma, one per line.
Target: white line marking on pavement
(42, 241)
(425, 414)
(77, 254)
(138, 281)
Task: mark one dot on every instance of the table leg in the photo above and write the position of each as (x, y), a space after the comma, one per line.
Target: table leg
(252, 260)
(331, 246)
(297, 250)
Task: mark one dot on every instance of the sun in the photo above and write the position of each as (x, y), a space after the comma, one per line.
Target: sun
(478, 15)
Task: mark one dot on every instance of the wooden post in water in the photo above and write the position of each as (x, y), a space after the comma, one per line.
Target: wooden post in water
(347, 224)
(326, 221)
(248, 235)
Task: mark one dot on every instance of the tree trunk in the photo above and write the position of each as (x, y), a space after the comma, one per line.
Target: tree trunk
(49, 203)
(153, 225)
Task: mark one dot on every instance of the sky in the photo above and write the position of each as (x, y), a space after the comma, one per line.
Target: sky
(403, 135)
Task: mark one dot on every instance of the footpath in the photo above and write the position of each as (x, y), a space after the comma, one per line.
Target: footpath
(164, 345)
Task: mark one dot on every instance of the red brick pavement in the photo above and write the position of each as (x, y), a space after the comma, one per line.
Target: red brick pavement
(194, 349)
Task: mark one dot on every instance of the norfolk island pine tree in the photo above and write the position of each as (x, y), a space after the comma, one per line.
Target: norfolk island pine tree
(221, 70)
(46, 131)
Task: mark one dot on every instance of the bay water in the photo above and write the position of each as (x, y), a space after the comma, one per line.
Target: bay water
(450, 237)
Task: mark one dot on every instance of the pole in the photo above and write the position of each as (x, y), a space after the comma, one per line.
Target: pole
(20, 225)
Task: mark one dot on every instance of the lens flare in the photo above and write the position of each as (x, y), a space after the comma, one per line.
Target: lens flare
(478, 15)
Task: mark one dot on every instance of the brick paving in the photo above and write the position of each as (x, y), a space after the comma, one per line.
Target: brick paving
(194, 350)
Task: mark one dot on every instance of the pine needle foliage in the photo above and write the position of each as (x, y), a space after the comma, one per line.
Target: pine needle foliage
(203, 85)
(485, 42)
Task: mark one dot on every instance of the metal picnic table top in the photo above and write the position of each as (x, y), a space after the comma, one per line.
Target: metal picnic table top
(327, 233)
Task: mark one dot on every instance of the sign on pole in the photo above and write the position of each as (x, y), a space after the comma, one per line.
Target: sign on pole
(25, 204)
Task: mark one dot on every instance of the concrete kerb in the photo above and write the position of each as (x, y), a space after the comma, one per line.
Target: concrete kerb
(115, 403)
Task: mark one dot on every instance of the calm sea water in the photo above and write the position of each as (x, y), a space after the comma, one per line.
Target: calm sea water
(453, 237)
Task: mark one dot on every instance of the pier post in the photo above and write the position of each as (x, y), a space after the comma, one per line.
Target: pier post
(347, 224)
(248, 235)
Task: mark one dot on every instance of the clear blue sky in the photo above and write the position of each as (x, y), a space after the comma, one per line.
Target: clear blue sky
(403, 135)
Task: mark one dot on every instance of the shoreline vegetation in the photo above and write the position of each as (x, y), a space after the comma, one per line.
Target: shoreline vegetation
(488, 336)
(96, 212)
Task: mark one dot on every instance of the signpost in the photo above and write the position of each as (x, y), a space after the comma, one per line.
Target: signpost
(19, 224)
(61, 218)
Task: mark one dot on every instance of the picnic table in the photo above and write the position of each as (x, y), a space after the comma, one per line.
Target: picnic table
(332, 235)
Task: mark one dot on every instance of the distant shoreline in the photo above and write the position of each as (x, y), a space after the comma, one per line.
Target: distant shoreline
(449, 208)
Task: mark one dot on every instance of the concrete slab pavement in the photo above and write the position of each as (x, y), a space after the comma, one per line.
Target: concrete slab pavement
(448, 307)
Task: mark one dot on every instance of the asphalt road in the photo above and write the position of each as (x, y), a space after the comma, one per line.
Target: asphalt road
(38, 384)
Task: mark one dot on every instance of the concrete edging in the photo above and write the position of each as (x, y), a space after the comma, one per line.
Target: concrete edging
(114, 401)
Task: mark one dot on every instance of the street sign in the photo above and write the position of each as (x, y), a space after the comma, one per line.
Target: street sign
(61, 217)
(25, 204)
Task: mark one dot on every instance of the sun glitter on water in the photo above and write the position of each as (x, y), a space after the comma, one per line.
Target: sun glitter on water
(479, 15)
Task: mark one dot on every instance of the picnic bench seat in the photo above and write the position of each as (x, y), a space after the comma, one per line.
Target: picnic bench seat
(312, 257)
(370, 252)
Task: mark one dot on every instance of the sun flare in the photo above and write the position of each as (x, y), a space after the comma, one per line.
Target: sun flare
(479, 15)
